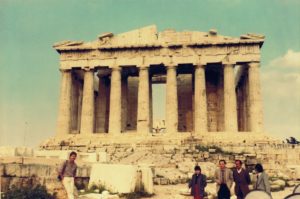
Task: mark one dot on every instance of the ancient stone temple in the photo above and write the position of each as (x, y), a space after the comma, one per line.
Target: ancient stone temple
(212, 83)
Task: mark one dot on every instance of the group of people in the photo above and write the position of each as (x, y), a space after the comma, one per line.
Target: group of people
(225, 177)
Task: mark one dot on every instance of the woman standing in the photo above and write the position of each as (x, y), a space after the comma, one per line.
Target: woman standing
(262, 179)
(197, 183)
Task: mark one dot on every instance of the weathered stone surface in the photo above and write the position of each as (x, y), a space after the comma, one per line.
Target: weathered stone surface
(9, 151)
(119, 178)
(63, 155)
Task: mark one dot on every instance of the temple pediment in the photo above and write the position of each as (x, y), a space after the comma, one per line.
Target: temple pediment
(149, 37)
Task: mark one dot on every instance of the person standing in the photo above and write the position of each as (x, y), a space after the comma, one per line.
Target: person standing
(224, 180)
(262, 179)
(242, 180)
(197, 183)
(67, 174)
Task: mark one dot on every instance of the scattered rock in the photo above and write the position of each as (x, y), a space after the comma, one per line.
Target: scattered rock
(290, 183)
(164, 181)
(283, 176)
(275, 188)
(212, 150)
(281, 183)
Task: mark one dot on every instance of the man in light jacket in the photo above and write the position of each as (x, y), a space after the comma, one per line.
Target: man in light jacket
(224, 180)
(262, 179)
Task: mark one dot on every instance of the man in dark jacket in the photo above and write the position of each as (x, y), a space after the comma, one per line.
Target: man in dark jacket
(242, 180)
(197, 183)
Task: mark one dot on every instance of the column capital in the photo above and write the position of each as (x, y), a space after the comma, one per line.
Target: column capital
(171, 66)
(88, 69)
(145, 67)
(253, 64)
(116, 68)
(228, 64)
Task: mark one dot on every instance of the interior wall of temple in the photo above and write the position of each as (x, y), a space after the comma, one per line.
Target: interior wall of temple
(76, 100)
(185, 102)
(124, 103)
(220, 99)
(102, 105)
(215, 98)
(80, 96)
(150, 103)
(132, 101)
(243, 103)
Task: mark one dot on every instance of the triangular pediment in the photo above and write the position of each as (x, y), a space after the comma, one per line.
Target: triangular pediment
(148, 36)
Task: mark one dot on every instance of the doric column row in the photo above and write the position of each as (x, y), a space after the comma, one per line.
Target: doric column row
(144, 112)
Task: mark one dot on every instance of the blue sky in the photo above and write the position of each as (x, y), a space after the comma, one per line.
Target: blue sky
(29, 76)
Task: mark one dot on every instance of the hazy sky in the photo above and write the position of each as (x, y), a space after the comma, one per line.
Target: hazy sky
(29, 76)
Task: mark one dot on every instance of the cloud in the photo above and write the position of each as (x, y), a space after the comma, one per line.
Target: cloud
(291, 60)
(281, 95)
(281, 84)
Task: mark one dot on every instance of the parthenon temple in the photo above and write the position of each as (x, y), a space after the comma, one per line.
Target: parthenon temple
(212, 83)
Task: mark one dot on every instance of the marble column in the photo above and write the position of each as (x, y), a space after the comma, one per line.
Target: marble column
(200, 104)
(114, 127)
(255, 99)
(88, 104)
(171, 100)
(230, 107)
(64, 111)
(143, 117)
